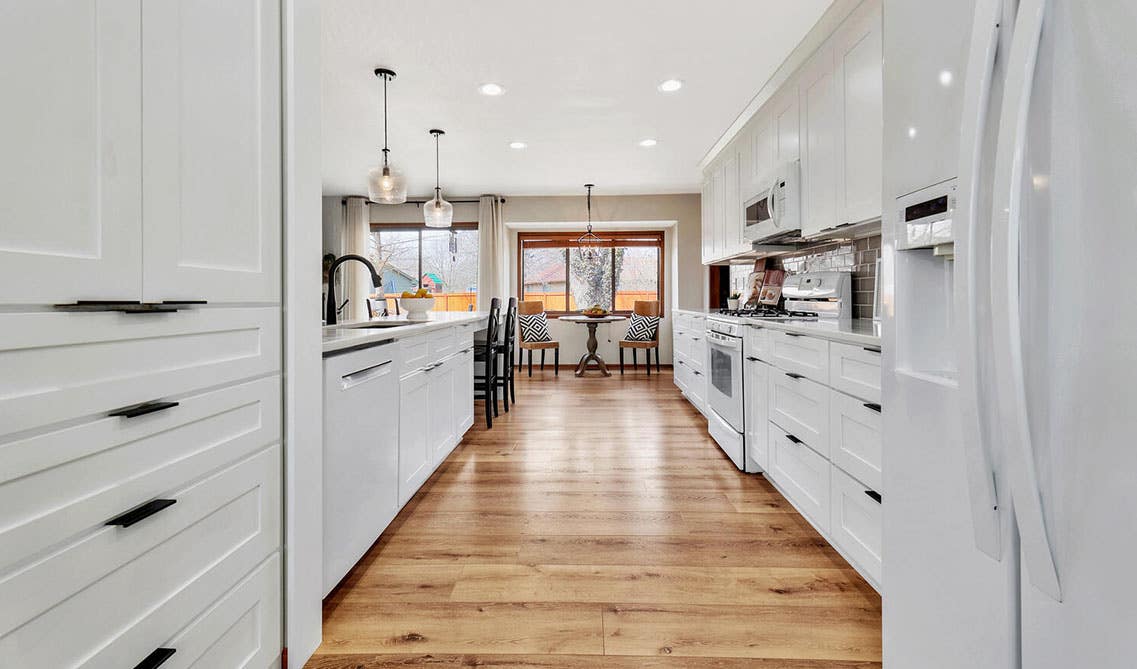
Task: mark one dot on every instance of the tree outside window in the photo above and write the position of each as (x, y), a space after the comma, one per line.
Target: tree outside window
(445, 262)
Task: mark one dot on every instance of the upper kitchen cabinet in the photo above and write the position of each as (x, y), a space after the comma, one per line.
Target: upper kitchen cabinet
(733, 243)
(819, 129)
(786, 122)
(759, 153)
(212, 151)
(707, 212)
(70, 180)
(858, 51)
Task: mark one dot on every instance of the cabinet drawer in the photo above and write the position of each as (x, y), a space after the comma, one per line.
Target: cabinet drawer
(757, 343)
(415, 352)
(697, 352)
(464, 334)
(856, 523)
(855, 438)
(803, 476)
(241, 630)
(800, 407)
(855, 370)
(56, 485)
(59, 366)
(681, 371)
(800, 354)
(442, 343)
(115, 594)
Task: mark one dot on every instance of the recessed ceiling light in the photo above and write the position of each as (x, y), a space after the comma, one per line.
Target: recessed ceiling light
(670, 86)
(946, 78)
(517, 145)
(491, 89)
(647, 143)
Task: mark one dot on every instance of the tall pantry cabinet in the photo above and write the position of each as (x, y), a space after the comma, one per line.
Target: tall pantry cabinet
(140, 435)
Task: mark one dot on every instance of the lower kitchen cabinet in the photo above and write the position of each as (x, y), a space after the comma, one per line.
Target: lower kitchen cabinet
(855, 522)
(414, 433)
(756, 391)
(442, 380)
(802, 475)
(855, 437)
(801, 408)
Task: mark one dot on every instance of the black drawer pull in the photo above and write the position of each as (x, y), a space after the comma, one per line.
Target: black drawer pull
(872, 405)
(142, 409)
(141, 513)
(870, 349)
(186, 303)
(794, 376)
(875, 496)
(753, 359)
(155, 659)
(794, 439)
(793, 334)
(124, 306)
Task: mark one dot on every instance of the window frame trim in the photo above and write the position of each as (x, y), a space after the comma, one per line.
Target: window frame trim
(611, 239)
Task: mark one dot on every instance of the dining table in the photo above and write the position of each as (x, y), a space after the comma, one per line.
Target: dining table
(591, 322)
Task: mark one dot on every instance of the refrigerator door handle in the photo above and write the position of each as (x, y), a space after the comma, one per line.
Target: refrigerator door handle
(1010, 168)
(973, 230)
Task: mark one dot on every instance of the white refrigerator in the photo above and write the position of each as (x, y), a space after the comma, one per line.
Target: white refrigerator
(1010, 334)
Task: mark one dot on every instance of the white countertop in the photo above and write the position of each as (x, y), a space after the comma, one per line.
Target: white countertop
(350, 334)
(859, 331)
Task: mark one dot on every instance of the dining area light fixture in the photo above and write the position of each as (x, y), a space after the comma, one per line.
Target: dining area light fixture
(385, 183)
(589, 243)
(436, 212)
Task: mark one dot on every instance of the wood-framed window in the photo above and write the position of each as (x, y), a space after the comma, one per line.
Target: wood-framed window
(552, 269)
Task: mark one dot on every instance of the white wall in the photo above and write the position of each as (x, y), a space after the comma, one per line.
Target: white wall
(678, 216)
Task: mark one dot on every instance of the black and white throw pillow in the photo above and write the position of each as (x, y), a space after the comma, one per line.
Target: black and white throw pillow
(642, 328)
(534, 327)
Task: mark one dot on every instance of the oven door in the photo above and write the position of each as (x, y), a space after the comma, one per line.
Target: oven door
(724, 392)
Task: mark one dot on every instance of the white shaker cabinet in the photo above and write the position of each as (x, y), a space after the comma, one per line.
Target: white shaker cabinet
(212, 158)
(443, 378)
(787, 123)
(707, 213)
(70, 180)
(859, 87)
(819, 129)
(414, 433)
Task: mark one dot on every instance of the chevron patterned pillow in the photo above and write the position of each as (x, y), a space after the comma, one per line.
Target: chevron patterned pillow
(534, 327)
(642, 328)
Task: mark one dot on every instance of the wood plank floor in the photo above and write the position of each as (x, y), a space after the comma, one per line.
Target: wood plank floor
(597, 525)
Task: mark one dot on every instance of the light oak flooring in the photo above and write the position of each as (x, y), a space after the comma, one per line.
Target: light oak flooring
(597, 525)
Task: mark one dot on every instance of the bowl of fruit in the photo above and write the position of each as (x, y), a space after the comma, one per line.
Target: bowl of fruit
(595, 311)
(416, 305)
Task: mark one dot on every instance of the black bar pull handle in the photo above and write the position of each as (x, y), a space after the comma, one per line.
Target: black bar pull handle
(794, 439)
(872, 405)
(141, 513)
(871, 349)
(185, 302)
(142, 409)
(155, 659)
(792, 375)
(875, 496)
(123, 306)
(793, 334)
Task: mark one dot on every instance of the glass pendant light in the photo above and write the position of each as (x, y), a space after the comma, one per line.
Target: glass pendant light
(437, 212)
(385, 184)
(589, 242)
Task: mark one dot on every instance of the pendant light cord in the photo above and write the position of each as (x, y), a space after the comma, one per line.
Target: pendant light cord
(385, 149)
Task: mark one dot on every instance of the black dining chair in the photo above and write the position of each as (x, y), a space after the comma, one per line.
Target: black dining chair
(507, 348)
(485, 358)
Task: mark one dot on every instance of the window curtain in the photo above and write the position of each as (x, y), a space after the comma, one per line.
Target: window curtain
(357, 280)
(493, 252)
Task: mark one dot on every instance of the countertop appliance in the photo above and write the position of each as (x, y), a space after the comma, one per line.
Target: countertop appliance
(1008, 526)
(819, 294)
(361, 454)
(774, 215)
(724, 388)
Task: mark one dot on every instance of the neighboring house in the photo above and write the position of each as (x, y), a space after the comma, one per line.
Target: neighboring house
(432, 282)
(550, 280)
(396, 280)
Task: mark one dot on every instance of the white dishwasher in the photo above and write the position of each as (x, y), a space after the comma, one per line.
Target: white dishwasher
(361, 454)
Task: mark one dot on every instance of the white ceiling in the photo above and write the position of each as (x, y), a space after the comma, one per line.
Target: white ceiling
(580, 81)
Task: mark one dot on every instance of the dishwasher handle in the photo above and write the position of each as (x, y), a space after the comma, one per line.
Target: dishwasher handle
(348, 381)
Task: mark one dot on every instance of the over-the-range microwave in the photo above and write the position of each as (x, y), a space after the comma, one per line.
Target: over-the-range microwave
(774, 214)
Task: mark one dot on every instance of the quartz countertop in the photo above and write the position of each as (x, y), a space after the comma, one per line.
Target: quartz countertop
(355, 334)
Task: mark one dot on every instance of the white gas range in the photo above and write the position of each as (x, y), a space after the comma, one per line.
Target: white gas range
(809, 296)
